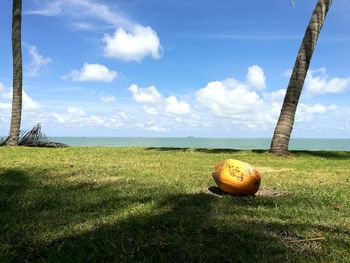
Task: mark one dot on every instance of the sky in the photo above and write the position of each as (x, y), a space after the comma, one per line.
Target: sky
(174, 68)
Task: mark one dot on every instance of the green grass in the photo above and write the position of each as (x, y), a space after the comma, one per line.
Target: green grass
(141, 205)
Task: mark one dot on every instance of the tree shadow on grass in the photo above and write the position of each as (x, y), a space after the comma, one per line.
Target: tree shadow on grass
(186, 230)
(206, 150)
(203, 150)
(169, 149)
(336, 155)
(12, 182)
(41, 225)
(35, 207)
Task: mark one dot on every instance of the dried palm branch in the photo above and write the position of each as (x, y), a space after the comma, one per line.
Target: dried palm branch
(35, 138)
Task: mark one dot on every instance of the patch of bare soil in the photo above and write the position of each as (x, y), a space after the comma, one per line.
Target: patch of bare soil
(274, 170)
(272, 193)
(216, 191)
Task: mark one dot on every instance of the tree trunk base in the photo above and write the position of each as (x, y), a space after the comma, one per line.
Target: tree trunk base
(279, 152)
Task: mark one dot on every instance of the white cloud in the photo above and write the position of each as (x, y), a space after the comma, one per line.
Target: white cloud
(277, 96)
(151, 127)
(84, 26)
(2, 88)
(317, 108)
(92, 72)
(72, 115)
(150, 110)
(5, 106)
(133, 45)
(317, 83)
(305, 113)
(145, 95)
(229, 98)
(59, 118)
(222, 108)
(50, 9)
(38, 61)
(81, 11)
(156, 128)
(256, 77)
(175, 107)
(28, 103)
(238, 102)
(7, 95)
(76, 117)
(107, 98)
(159, 103)
(130, 42)
(97, 120)
(123, 116)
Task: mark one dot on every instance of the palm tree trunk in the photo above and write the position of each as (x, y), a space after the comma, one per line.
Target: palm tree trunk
(17, 73)
(283, 130)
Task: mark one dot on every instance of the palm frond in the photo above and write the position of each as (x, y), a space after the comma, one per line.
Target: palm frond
(34, 138)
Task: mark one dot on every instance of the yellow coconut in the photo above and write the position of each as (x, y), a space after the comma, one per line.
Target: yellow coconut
(236, 177)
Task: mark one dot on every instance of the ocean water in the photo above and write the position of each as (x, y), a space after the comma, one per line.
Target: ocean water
(216, 143)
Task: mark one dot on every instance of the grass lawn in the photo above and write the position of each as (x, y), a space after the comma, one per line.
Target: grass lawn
(83, 204)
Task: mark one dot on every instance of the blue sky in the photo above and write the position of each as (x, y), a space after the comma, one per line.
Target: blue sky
(174, 67)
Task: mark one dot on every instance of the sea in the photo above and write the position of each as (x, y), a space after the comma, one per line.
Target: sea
(214, 143)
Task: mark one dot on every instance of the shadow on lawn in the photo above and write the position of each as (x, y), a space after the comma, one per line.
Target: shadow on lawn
(186, 230)
(336, 155)
(179, 227)
(12, 183)
(204, 150)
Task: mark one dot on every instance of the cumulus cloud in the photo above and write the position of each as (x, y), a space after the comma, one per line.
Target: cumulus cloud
(92, 72)
(73, 115)
(317, 83)
(150, 110)
(150, 126)
(6, 96)
(79, 118)
(107, 98)
(5, 106)
(235, 99)
(124, 116)
(277, 95)
(38, 61)
(256, 77)
(241, 103)
(229, 98)
(160, 104)
(130, 42)
(155, 128)
(31, 110)
(175, 107)
(219, 108)
(305, 113)
(145, 95)
(27, 102)
(132, 45)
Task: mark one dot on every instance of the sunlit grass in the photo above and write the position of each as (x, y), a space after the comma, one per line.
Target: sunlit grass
(135, 204)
